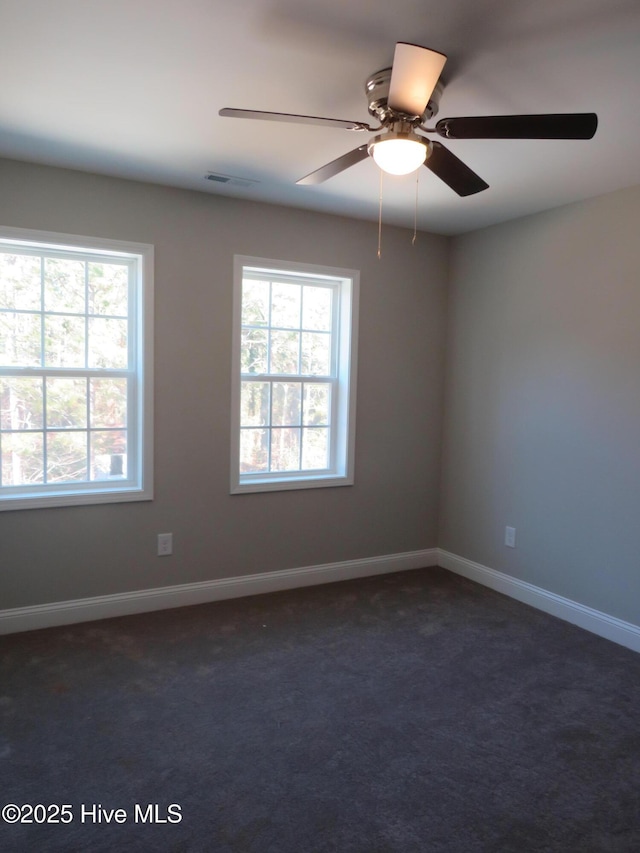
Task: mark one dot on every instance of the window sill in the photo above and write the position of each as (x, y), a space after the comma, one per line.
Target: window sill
(79, 498)
(273, 484)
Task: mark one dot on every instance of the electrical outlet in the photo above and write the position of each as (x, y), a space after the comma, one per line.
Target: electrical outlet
(510, 537)
(165, 544)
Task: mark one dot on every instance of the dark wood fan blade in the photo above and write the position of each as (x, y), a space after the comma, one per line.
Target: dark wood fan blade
(454, 172)
(551, 126)
(335, 166)
(229, 112)
(414, 74)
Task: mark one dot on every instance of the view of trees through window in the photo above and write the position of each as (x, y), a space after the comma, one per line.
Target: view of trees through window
(288, 375)
(64, 359)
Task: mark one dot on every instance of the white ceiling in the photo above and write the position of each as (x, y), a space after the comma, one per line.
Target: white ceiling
(133, 87)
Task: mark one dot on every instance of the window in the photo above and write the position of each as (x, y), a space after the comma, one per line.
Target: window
(75, 370)
(294, 372)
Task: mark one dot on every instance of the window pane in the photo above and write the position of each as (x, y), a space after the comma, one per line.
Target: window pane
(316, 308)
(72, 383)
(108, 289)
(286, 404)
(20, 282)
(284, 352)
(316, 404)
(108, 343)
(316, 353)
(20, 338)
(255, 303)
(64, 285)
(21, 402)
(108, 454)
(253, 356)
(66, 457)
(285, 450)
(66, 402)
(294, 393)
(22, 458)
(315, 449)
(254, 406)
(254, 450)
(64, 341)
(108, 401)
(285, 305)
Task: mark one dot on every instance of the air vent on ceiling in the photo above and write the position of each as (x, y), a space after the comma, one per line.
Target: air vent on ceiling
(230, 180)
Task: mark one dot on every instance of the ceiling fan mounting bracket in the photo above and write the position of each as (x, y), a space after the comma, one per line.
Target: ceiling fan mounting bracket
(377, 91)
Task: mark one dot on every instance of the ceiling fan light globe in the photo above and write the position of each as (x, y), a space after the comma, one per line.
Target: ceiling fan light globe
(398, 156)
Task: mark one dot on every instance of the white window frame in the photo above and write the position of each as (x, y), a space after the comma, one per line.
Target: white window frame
(346, 283)
(138, 484)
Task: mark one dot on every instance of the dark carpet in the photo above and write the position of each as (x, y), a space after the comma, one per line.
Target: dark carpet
(415, 712)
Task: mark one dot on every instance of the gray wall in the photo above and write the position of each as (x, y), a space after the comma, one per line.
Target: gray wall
(65, 553)
(542, 389)
(542, 419)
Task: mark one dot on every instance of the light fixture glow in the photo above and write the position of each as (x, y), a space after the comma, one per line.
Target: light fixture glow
(398, 154)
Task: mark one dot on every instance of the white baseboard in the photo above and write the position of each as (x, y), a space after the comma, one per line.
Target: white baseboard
(624, 633)
(161, 598)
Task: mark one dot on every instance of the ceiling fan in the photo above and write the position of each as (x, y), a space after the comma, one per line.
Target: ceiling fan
(402, 98)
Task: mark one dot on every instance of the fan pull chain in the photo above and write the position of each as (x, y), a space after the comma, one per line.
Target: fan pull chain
(380, 218)
(415, 211)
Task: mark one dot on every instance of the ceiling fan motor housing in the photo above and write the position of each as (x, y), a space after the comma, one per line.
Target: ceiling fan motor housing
(377, 91)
